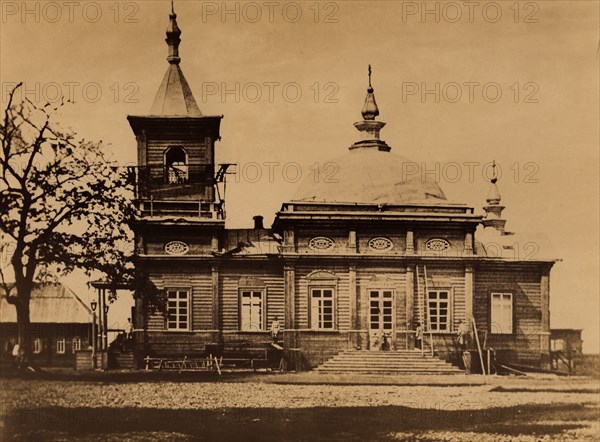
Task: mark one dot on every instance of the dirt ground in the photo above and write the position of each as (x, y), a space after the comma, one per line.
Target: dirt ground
(303, 407)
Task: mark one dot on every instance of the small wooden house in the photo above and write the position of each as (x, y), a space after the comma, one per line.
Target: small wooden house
(371, 259)
(61, 325)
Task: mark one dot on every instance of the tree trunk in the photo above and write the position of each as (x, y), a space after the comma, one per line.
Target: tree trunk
(25, 358)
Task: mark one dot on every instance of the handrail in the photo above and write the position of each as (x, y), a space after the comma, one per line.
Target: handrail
(426, 301)
(478, 345)
(420, 311)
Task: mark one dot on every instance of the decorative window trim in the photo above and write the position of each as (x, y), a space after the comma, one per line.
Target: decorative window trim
(61, 346)
(437, 245)
(37, 346)
(176, 248)
(263, 307)
(76, 344)
(321, 243)
(380, 282)
(503, 328)
(251, 282)
(311, 315)
(176, 303)
(380, 244)
(450, 308)
(322, 275)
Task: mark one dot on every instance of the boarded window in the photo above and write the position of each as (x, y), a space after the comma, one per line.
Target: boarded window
(438, 303)
(178, 312)
(251, 310)
(502, 313)
(321, 309)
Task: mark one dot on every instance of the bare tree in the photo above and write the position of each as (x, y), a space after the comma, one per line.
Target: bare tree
(63, 206)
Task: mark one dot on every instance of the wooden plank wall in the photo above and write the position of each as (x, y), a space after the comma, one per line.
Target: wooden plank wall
(524, 284)
(271, 278)
(197, 149)
(443, 277)
(342, 314)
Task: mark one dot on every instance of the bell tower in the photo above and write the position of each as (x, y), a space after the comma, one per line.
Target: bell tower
(175, 176)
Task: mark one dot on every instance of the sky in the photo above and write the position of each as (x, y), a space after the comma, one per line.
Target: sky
(459, 85)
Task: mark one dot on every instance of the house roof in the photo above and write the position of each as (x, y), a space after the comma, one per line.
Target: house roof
(519, 246)
(250, 242)
(50, 303)
(366, 175)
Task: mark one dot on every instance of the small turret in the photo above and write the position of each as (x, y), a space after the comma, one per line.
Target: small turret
(493, 210)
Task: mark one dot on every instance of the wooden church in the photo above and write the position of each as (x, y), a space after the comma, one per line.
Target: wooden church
(376, 261)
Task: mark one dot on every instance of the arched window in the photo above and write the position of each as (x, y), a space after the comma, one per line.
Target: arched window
(176, 165)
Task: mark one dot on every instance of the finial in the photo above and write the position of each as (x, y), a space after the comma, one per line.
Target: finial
(494, 179)
(368, 127)
(370, 109)
(494, 194)
(173, 34)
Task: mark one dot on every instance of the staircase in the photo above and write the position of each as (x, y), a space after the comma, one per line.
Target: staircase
(386, 362)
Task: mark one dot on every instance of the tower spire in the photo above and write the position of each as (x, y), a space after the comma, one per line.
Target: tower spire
(174, 96)
(173, 37)
(493, 211)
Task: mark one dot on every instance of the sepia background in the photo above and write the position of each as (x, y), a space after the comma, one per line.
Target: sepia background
(250, 63)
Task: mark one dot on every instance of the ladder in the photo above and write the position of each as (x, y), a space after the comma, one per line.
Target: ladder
(424, 313)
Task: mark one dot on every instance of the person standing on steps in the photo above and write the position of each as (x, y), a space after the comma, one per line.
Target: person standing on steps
(419, 336)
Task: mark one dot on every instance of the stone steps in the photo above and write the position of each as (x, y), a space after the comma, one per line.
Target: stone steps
(392, 362)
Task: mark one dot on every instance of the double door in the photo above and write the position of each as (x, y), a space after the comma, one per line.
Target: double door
(381, 323)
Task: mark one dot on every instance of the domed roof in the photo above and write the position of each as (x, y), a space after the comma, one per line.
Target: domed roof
(368, 175)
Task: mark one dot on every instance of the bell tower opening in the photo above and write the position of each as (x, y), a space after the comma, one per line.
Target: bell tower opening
(176, 165)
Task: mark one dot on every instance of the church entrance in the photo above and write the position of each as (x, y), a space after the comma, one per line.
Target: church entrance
(380, 319)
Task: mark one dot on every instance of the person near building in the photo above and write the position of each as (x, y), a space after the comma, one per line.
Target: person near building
(463, 335)
(275, 327)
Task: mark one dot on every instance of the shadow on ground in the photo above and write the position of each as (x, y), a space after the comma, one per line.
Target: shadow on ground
(304, 424)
